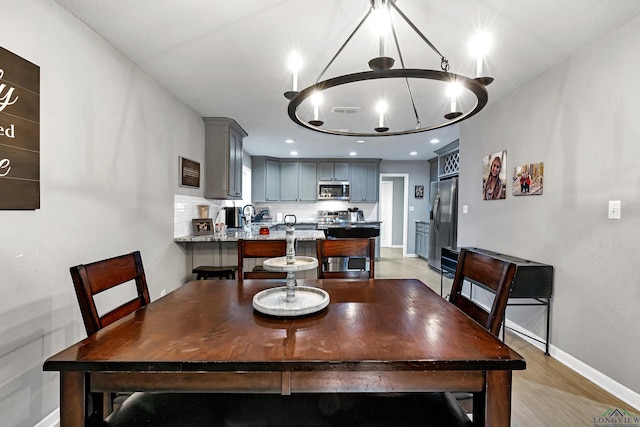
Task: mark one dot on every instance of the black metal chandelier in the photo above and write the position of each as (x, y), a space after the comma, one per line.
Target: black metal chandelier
(381, 69)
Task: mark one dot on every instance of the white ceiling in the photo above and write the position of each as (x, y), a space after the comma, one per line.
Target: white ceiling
(228, 58)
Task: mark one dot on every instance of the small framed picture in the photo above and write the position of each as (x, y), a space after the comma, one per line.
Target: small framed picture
(419, 191)
(189, 173)
(202, 226)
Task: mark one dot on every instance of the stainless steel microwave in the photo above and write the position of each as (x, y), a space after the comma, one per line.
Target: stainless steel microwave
(333, 190)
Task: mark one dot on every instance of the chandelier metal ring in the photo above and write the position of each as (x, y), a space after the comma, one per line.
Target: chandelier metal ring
(475, 86)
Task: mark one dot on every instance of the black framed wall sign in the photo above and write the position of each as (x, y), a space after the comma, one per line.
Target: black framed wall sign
(189, 173)
(19, 132)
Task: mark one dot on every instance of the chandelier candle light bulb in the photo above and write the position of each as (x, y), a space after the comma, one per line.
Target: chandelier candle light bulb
(316, 100)
(294, 64)
(479, 47)
(381, 106)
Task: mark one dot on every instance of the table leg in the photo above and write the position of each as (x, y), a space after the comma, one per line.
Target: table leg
(498, 399)
(72, 399)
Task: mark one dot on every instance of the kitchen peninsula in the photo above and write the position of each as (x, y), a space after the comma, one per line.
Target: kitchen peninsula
(223, 251)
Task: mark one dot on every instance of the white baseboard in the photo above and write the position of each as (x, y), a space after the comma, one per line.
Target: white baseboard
(51, 420)
(601, 380)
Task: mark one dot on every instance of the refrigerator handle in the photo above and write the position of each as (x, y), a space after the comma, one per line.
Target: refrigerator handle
(436, 212)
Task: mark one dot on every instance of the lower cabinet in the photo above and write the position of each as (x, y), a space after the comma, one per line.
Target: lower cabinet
(422, 239)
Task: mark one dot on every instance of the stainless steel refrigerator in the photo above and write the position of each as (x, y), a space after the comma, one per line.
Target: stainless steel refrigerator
(443, 218)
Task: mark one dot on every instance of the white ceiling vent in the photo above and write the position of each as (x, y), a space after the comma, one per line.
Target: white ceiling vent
(345, 110)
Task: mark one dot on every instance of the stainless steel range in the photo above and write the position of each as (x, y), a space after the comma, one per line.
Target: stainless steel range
(338, 224)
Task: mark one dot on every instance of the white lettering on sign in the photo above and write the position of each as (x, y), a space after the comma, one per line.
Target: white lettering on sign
(5, 98)
(9, 132)
(4, 164)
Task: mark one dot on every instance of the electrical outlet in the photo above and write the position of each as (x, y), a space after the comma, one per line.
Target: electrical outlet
(614, 209)
(465, 209)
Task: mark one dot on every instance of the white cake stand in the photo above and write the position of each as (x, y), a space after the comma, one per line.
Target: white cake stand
(290, 300)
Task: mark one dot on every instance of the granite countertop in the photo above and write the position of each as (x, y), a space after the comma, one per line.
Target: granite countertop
(423, 221)
(234, 236)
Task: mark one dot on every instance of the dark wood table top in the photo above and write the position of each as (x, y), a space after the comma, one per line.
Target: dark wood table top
(369, 325)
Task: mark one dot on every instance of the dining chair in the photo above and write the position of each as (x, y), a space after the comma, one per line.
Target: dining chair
(255, 249)
(89, 281)
(490, 273)
(494, 275)
(346, 248)
(92, 279)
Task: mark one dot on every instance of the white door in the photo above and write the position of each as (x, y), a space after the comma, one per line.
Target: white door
(386, 214)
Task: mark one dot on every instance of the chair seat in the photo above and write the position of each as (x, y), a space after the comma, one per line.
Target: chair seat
(356, 409)
(221, 272)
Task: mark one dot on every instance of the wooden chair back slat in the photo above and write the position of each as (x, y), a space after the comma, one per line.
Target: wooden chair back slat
(330, 248)
(489, 273)
(260, 249)
(92, 279)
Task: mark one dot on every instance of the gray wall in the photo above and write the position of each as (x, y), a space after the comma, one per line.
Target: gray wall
(110, 141)
(418, 172)
(581, 119)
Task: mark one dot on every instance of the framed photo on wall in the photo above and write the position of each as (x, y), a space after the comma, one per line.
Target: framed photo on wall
(419, 193)
(202, 226)
(527, 179)
(494, 177)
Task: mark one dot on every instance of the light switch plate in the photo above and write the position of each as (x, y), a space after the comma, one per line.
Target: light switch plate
(614, 209)
(465, 209)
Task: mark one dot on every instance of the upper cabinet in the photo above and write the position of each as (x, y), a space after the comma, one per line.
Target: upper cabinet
(222, 158)
(284, 180)
(333, 171)
(265, 179)
(298, 182)
(364, 181)
(448, 160)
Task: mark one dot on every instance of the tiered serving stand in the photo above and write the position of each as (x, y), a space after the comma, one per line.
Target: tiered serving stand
(290, 300)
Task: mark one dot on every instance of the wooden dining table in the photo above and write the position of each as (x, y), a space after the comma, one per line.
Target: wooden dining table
(376, 335)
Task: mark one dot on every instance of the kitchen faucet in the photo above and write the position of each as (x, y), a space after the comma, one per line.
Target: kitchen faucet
(248, 216)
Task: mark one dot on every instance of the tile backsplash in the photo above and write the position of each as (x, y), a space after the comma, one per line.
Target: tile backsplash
(185, 208)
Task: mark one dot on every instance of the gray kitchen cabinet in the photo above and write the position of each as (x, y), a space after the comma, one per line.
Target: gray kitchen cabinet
(422, 239)
(265, 179)
(298, 182)
(333, 171)
(364, 181)
(222, 158)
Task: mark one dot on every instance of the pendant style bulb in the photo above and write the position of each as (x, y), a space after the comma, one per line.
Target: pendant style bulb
(453, 91)
(479, 46)
(294, 64)
(381, 107)
(316, 100)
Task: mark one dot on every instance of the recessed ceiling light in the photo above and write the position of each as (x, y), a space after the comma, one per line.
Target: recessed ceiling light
(294, 153)
(435, 140)
(360, 141)
(413, 153)
(353, 153)
(289, 141)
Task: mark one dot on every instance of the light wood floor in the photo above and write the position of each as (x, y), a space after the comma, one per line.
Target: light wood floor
(547, 393)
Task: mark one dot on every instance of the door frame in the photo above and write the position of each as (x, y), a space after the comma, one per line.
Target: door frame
(389, 217)
(405, 207)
